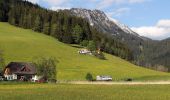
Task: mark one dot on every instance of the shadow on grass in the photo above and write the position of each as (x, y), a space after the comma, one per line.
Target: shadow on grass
(76, 46)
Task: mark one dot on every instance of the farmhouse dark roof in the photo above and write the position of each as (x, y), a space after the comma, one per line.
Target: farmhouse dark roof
(21, 68)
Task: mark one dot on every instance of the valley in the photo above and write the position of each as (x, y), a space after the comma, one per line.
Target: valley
(24, 45)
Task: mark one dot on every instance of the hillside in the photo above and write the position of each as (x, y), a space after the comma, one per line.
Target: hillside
(146, 52)
(25, 45)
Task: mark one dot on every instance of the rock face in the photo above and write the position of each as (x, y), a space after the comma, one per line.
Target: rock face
(99, 19)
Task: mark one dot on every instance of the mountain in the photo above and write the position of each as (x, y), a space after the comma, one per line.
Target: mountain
(147, 52)
(100, 20)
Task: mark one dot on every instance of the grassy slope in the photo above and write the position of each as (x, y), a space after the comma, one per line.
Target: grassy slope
(24, 45)
(84, 92)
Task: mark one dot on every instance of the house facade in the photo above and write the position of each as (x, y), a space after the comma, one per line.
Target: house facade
(19, 71)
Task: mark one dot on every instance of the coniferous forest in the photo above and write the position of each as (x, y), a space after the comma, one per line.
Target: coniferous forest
(59, 24)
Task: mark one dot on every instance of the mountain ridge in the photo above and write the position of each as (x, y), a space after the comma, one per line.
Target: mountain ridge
(141, 46)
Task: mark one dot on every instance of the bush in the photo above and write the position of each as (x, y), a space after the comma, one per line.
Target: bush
(129, 79)
(89, 77)
(99, 55)
(84, 43)
(91, 46)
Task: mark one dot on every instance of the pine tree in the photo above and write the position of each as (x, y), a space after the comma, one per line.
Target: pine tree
(4, 9)
(37, 24)
(77, 34)
(54, 30)
(91, 46)
(46, 28)
(25, 21)
(29, 21)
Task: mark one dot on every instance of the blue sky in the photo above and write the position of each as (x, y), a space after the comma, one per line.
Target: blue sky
(150, 18)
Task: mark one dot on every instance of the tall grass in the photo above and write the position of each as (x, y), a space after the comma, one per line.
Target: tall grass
(84, 92)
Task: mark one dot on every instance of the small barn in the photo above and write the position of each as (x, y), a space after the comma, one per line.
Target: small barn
(19, 71)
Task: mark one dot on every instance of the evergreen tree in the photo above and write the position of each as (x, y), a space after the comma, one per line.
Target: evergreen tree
(46, 28)
(77, 34)
(29, 21)
(25, 21)
(91, 46)
(4, 9)
(61, 25)
(37, 24)
(54, 30)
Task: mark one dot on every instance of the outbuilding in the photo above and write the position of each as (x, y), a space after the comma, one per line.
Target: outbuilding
(103, 78)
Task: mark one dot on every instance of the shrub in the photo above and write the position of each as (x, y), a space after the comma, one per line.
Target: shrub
(99, 55)
(129, 79)
(89, 77)
(91, 46)
(84, 43)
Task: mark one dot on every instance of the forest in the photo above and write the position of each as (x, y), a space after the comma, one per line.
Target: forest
(59, 24)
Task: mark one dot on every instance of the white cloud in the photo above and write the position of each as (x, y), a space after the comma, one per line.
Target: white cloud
(163, 23)
(159, 31)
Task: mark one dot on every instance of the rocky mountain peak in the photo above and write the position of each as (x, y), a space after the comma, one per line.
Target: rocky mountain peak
(100, 20)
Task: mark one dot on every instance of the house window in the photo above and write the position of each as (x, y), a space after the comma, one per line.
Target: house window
(9, 77)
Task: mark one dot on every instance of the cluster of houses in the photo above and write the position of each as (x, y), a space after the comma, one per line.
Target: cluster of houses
(86, 51)
(20, 71)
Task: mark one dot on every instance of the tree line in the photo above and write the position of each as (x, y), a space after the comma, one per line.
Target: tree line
(59, 24)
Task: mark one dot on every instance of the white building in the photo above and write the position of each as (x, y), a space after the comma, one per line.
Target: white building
(11, 77)
(103, 78)
(84, 51)
(36, 78)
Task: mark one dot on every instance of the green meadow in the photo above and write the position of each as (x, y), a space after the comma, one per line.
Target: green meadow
(24, 45)
(84, 92)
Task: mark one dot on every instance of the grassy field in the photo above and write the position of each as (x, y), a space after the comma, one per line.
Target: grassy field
(25, 45)
(84, 92)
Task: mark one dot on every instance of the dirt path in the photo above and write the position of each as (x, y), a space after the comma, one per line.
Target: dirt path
(122, 83)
